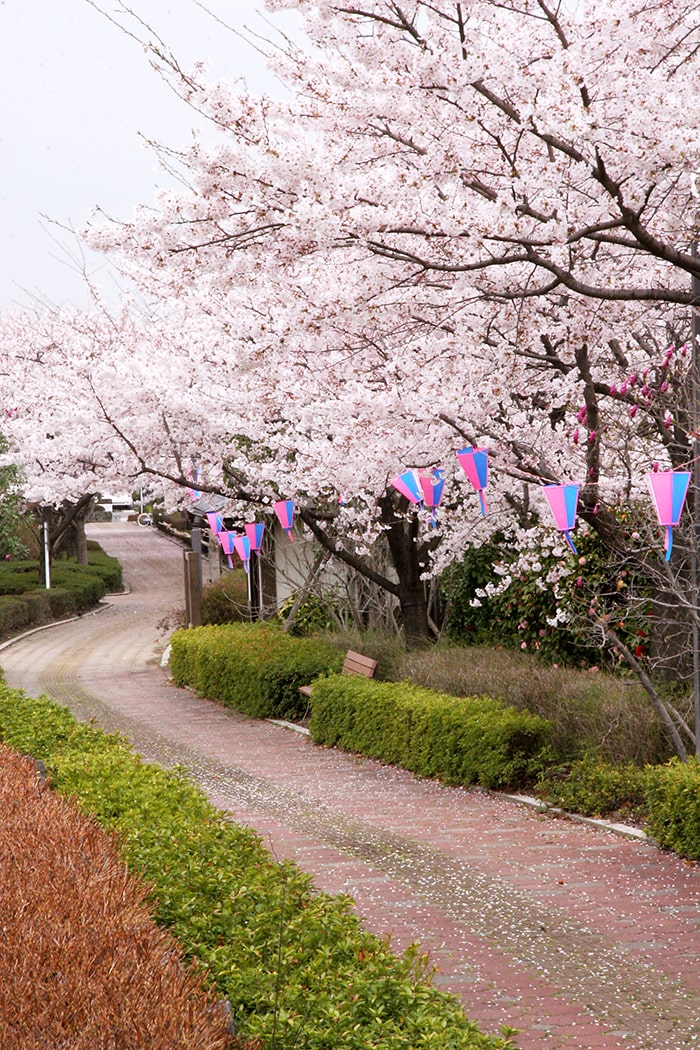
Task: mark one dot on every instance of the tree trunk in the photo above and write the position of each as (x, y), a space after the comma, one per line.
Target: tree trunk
(66, 531)
(408, 559)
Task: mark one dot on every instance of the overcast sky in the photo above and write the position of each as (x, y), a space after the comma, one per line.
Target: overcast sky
(76, 94)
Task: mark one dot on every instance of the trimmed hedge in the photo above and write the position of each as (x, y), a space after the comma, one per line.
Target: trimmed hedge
(254, 667)
(666, 798)
(595, 788)
(673, 806)
(295, 964)
(460, 740)
(74, 589)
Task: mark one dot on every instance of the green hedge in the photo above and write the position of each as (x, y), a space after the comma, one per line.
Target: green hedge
(295, 964)
(595, 788)
(673, 806)
(666, 798)
(254, 667)
(74, 588)
(460, 740)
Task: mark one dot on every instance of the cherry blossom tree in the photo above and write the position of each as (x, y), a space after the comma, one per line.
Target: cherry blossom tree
(471, 223)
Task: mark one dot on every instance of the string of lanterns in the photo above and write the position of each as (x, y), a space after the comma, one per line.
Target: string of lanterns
(668, 489)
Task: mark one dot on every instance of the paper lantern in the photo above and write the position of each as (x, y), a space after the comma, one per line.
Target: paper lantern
(254, 531)
(668, 490)
(216, 522)
(475, 464)
(242, 547)
(226, 540)
(432, 486)
(409, 486)
(284, 509)
(563, 501)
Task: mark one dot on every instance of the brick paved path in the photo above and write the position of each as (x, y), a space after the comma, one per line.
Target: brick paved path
(579, 938)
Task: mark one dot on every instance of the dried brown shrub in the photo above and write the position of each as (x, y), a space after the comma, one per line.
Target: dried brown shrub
(82, 964)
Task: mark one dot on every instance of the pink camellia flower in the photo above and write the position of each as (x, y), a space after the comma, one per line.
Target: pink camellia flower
(579, 581)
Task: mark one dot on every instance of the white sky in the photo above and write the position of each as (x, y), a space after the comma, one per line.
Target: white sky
(75, 92)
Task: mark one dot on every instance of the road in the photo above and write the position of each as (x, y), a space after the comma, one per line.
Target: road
(580, 938)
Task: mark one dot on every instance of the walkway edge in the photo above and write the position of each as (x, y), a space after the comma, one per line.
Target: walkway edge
(626, 830)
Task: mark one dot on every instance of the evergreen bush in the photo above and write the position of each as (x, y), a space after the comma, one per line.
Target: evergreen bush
(254, 667)
(295, 964)
(226, 600)
(595, 788)
(460, 740)
(673, 806)
(74, 588)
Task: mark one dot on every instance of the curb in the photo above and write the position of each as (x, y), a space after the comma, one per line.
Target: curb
(100, 607)
(625, 830)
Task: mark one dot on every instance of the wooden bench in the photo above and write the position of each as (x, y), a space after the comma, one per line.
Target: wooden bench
(354, 663)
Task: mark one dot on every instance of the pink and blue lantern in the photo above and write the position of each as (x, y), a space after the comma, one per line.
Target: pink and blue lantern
(409, 486)
(668, 490)
(284, 509)
(194, 493)
(226, 539)
(242, 547)
(216, 522)
(475, 464)
(254, 531)
(563, 502)
(432, 486)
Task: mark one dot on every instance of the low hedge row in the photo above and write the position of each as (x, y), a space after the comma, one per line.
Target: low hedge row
(294, 963)
(74, 588)
(254, 667)
(666, 798)
(460, 740)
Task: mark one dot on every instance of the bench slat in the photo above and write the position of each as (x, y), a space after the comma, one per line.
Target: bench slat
(355, 663)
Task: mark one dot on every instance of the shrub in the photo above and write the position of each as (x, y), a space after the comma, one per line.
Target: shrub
(74, 588)
(226, 600)
(460, 740)
(254, 667)
(524, 615)
(291, 960)
(81, 954)
(673, 806)
(595, 788)
(588, 712)
(313, 614)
